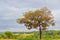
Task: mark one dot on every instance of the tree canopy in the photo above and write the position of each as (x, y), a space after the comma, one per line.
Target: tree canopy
(38, 18)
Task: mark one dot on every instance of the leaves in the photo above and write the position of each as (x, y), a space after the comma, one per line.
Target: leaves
(34, 19)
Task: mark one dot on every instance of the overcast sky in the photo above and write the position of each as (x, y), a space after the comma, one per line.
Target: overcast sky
(10, 10)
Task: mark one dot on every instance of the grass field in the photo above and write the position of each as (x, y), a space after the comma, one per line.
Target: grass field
(30, 36)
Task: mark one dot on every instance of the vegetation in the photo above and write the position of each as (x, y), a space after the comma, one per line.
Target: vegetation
(41, 19)
(47, 35)
(9, 34)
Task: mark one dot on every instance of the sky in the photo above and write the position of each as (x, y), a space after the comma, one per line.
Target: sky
(10, 10)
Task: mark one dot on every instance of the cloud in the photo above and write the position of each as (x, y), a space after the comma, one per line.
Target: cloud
(12, 12)
(18, 30)
(56, 14)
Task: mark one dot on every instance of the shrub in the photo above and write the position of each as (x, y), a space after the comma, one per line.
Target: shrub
(9, 34)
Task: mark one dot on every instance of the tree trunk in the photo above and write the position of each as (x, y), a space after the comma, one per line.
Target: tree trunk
(40, 33)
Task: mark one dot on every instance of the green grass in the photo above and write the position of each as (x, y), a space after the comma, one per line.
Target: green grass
(7, 39)
(29, 39)
(20, 36)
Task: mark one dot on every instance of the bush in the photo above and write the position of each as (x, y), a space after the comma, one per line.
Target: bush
(9, 34)
(2, 36)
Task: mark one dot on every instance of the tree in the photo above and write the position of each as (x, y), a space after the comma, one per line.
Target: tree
(41, 18)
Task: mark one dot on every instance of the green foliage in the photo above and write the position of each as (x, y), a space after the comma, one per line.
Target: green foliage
(47, 35)
(9, 34)
(2, 36)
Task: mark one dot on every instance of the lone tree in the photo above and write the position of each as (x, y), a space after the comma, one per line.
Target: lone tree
(41, 18)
